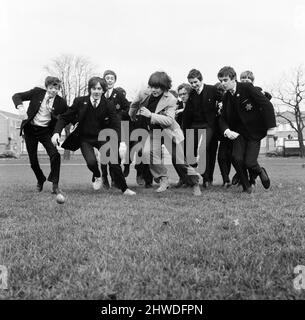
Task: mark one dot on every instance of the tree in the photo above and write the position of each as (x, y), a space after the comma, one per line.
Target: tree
(74, 73)
(290, 94)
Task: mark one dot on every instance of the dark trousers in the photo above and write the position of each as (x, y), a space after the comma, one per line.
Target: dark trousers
(185, 172)
(142, 169)
(244, 157)
(87, 150)
(104, 168)
(34, 134)
(224, 158)
(209, 135)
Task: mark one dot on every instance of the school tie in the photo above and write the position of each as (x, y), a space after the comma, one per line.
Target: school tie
(94, 103)
(107, 94)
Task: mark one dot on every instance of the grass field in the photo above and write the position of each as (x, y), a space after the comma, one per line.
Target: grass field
(102, 245)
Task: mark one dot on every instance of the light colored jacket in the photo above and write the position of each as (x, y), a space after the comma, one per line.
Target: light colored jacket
(164, 114)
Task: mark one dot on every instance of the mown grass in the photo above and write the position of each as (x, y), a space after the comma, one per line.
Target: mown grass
(101, 245)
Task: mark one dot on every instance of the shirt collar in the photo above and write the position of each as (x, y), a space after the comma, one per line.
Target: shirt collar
(233, 91)
(47, 97)
(200, 89)
(109, 92)
(92, 101)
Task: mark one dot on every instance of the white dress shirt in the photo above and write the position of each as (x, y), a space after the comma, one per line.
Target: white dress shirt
(92, 101)
(108, 93)
(43, 116)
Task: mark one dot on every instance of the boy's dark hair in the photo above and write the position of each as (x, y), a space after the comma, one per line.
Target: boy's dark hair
(52, 81)
(194, 73)
(185, 86)
(109, 72)
(227, 71)
(121, 90)
(160, 80)
(94, 81)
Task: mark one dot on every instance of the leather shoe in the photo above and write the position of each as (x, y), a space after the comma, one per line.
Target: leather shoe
(126, 170)
(248, 190)
(226, 184)
(39, 185)
(55, 189)
(179, 184)
(235, 179)
(264, 178)
(140, 180)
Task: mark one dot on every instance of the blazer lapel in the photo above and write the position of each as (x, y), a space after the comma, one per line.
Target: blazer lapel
(40, 99)
(204, 94)
(238, 97)
(144, 100)
(83, 108)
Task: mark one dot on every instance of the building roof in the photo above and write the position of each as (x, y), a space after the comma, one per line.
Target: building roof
(10, 115)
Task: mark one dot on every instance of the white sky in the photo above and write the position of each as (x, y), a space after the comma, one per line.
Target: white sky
(137, 37)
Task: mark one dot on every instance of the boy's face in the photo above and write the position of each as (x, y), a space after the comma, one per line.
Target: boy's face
(110, 79)
(52, 90)
(245, 79)
(183, 95)
(195, 83)
(97, 91)
(156, 91)
(227, 83)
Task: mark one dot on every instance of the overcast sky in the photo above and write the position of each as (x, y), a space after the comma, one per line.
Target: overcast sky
(136, 38)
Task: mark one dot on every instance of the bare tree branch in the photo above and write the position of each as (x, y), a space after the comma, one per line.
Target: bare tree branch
(74, 73)
(291, 94)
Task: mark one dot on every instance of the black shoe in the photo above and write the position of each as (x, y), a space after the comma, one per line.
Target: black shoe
(252, 183)
(235, 179)
(126, 170)
(106, 184)
(179, 184)
(140, 180)
(55, 189)
(248, 190)
(264, 178)
(39, 185)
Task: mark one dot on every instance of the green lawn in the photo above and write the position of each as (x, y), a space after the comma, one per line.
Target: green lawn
(222, 245)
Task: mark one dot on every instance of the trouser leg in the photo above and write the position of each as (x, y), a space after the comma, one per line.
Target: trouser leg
(54, 156)
(185, 172)
(238, 156)
(152, 155)
(252, 152)
(31, 143)
(224, 159)
(90, 158)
